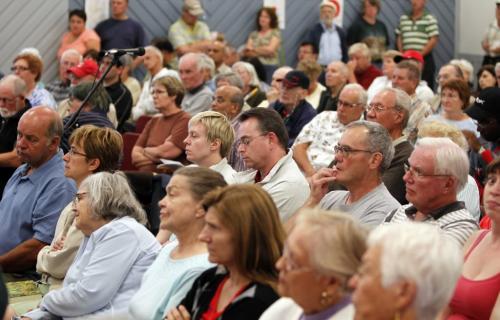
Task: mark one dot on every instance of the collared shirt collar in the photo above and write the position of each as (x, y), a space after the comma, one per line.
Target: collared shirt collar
(39, 173)
(197, 89)
(399, 140)
(437, 213)
(326, 28)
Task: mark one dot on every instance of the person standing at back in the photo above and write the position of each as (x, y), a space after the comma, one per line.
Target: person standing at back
(419, 31)
(120, 31)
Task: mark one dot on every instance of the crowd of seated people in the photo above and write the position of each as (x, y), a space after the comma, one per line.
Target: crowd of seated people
(349, 186)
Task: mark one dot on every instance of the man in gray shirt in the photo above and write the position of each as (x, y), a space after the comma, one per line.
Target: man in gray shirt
(363, 153)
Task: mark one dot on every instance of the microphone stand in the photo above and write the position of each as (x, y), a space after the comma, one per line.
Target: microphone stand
(74, 117)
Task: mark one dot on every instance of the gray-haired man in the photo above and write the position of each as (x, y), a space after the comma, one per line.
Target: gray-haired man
(363, 153)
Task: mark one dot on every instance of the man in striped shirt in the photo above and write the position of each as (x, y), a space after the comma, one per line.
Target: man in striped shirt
(436, 171)
(419, 31)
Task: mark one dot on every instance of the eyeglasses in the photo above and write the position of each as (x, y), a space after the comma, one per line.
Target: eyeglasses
(78, 198)
(218, 99)
(290, 264)
(247, 140)
(417, 173)
(73, 152)
(346, 151)
(8, 100)
(377, 107)
(18, 68)
(347, 104)
(158, 92)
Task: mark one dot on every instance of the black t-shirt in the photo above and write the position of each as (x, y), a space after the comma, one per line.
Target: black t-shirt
(4, 298)
(8, 137)
(122, 99)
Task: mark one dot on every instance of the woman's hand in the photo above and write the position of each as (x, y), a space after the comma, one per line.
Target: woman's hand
(59, 244)
(179, 313)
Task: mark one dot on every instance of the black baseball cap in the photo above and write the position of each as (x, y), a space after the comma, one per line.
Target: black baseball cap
(294, 79)
(486, 105)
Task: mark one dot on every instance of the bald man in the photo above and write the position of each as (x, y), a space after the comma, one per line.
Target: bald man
(36, 193)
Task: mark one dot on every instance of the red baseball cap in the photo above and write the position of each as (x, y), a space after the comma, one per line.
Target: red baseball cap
(410, 55)
(86, 68)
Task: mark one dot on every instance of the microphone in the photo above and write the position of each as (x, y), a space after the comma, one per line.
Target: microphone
(136, 52)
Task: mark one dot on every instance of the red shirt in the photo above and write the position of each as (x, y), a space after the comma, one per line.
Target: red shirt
(366, 77)
(474, 299)
(212, 313)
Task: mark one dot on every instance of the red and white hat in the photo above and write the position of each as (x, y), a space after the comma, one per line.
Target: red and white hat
(332, 4)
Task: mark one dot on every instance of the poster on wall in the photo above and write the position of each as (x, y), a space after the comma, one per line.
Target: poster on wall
(338, 19)
(279, 5)
(97, 10)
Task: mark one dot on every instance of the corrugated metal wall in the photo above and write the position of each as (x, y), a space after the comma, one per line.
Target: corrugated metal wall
(30, 23)
(41, 23)
(236, 19)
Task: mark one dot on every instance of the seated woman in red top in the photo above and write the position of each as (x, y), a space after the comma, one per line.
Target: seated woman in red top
(163, 137)
(245, 238)
(477, 293)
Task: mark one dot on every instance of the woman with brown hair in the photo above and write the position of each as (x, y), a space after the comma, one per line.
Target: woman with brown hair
(244, 237)
(265, 42)
(29, 67)
(78, 36)
(163, 137)
(455, 96)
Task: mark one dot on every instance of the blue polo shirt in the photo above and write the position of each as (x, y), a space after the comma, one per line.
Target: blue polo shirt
(31, 204)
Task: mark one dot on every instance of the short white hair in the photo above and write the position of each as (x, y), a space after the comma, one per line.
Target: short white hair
(422, 253)
(360, 47)
(284, 69)
(449, 158)
(111, 197)
(206, 63)
(250, 69)
(31, 50)
(71, 52)
(360, 91)
(156, 51)
(466, 66)
(343, 69)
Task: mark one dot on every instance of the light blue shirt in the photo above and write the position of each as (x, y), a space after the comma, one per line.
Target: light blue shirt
(31, 204)
(41, 97)
(166, 283)
(329, 46)
(106, 273)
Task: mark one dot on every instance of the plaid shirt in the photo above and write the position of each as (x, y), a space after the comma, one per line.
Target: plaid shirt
(59, 89)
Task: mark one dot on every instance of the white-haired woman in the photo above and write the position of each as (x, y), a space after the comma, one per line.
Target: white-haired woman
(408, 272)
(321, 253)
(251, 85)
(115, 252)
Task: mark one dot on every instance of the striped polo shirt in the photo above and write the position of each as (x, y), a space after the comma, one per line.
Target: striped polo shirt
(453, 219)
(416, 34)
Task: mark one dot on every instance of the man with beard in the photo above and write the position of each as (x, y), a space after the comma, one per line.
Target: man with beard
(12, 106)
(329, 38)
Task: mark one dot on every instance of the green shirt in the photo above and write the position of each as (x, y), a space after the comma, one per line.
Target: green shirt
(416, 34)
